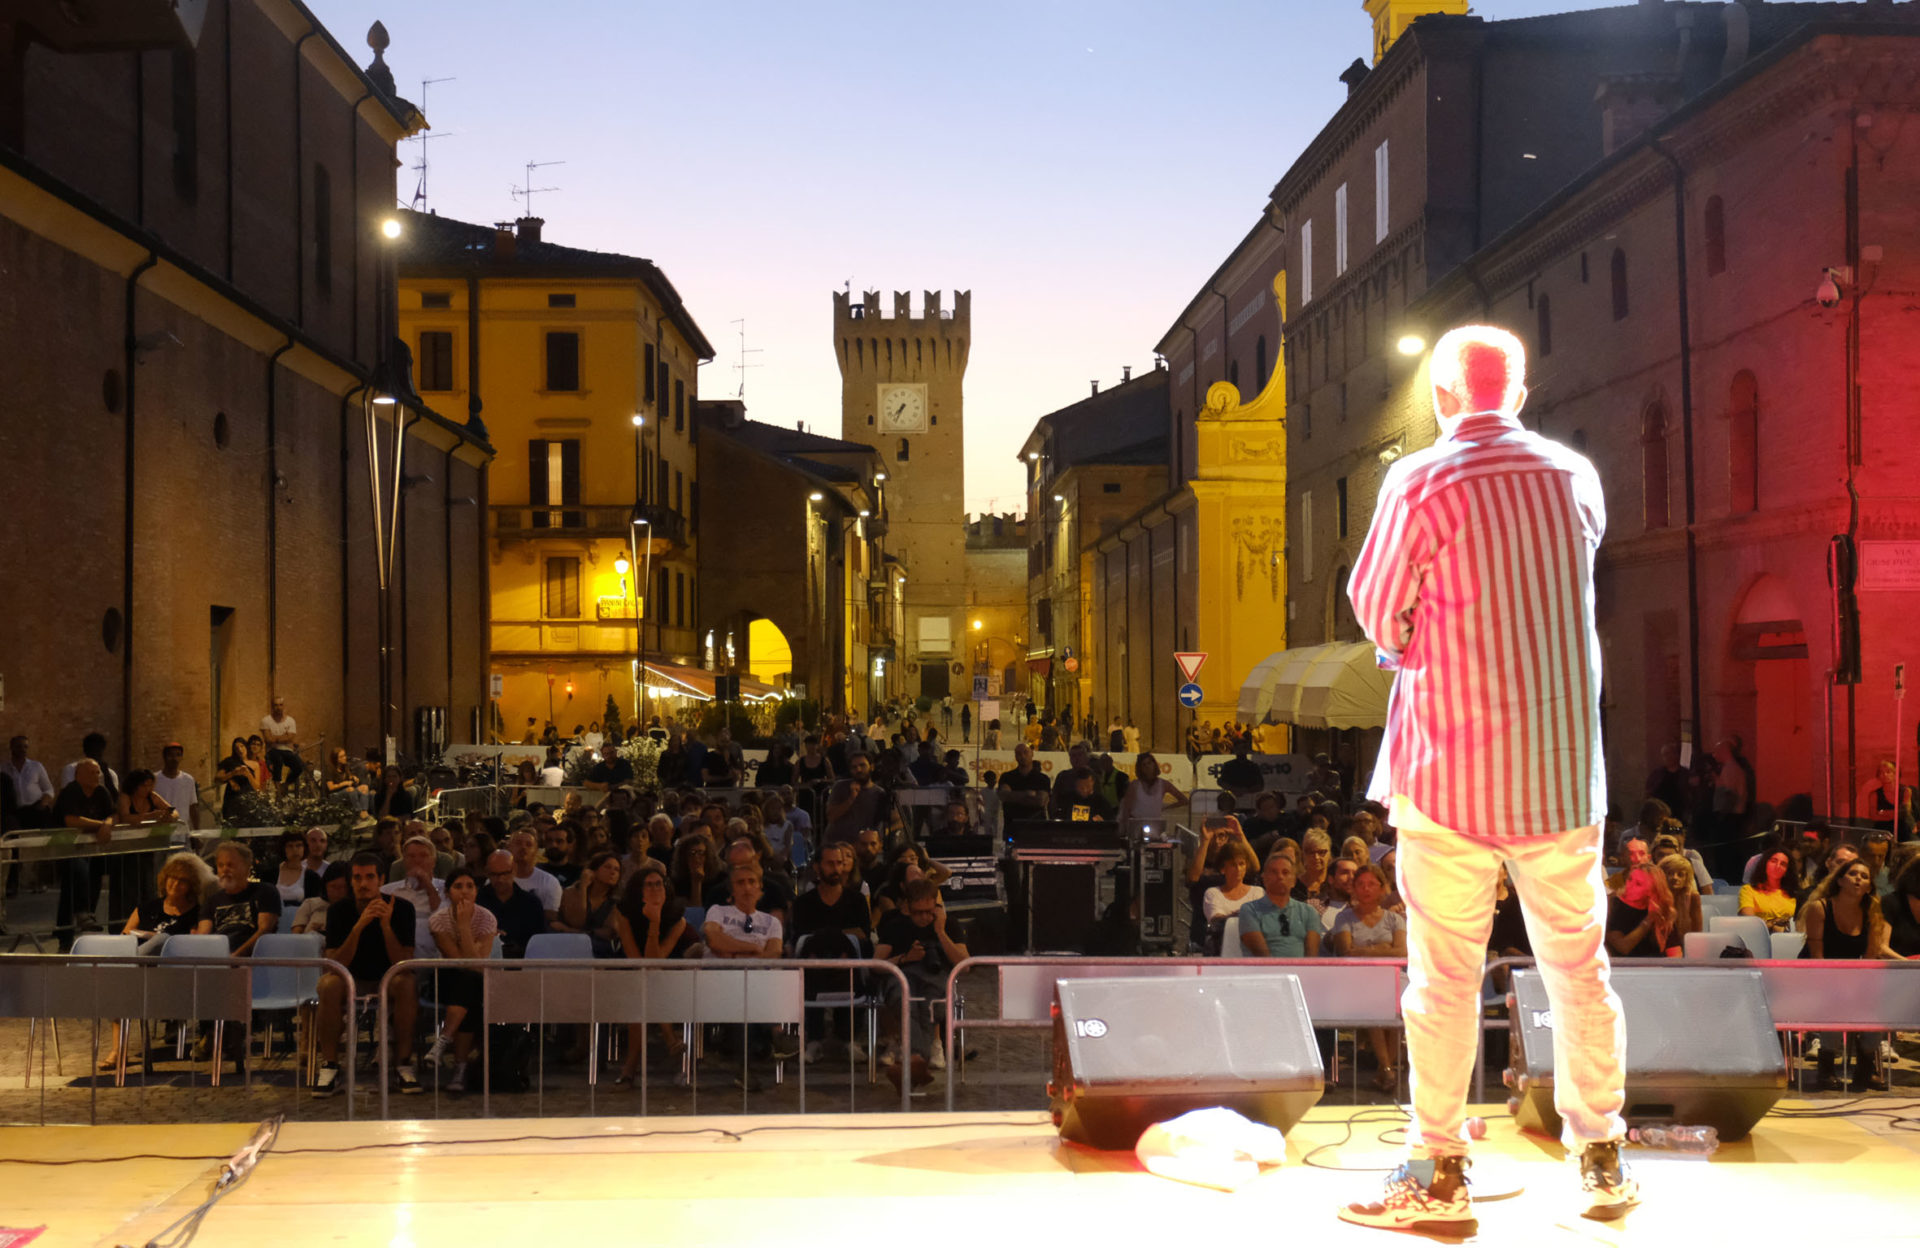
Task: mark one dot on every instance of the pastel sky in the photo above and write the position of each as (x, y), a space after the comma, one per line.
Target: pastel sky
(1081, 165)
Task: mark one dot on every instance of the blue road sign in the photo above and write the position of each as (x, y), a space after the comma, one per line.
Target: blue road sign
(1190, 694)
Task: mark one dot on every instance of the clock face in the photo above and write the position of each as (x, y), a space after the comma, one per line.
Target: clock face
(903, 408)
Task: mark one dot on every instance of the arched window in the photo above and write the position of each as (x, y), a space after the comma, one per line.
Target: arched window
(905, 452)
(1743, 459)
(1260, 363)
(1619, 285)
(1653, 465)
(1543, 309)
(1716, 237)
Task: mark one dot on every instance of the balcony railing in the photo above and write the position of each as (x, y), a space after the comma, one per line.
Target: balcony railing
(586, 521)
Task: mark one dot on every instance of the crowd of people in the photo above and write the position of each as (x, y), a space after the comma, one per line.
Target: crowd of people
(816, 861)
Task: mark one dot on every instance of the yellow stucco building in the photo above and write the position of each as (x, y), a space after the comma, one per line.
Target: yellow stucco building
(583, 366)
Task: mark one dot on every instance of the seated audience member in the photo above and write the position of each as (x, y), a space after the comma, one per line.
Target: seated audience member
(419, 887)
(319, 850)
(1266, 824)
(529, 876)
(367, 933)
(652, 925)
(1203, 868)
(1338, 894)
(1279, 925)
(737, 927)
(293, 879)
(312, 914)
(1077, 799)
(517, 913)
(345, 782)
(1842, 919)
(611, 771)
(476, 849)
(386, 846)
(835, 917)
(239, 908)
(1771, 897)
(776, 893)
(1901, 908)
(1367, 929)
(1640, 913)
(694, 868)
(395, 799)
(915, 939)
(590, 905)
(1682, 884)
(1222, 902)
(1316, 860)
(558, 843)
(462, 928)
(175, 911)
(869, 860)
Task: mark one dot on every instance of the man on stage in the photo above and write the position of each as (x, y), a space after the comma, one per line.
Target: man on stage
(1476, 585)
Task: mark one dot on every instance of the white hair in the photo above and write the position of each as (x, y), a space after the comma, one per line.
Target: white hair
(1476, 363)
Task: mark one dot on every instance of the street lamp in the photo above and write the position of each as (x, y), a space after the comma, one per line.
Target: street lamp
(1411, 344)
(390, 227)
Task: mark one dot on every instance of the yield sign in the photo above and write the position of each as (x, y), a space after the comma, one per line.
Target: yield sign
(1190, 662)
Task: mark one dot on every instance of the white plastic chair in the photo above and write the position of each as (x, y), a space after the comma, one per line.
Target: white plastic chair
(1786, 945)
(1721, 905)
(92, 945)
(186, 945)
(1705, 945)
(1750, 930)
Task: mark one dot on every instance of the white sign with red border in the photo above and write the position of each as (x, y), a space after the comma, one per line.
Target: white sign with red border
(1190, 663)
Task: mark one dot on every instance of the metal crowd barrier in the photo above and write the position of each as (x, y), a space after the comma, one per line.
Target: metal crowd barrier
(145, 989)
(1342, 994)
(1843, 995)
(640, 991)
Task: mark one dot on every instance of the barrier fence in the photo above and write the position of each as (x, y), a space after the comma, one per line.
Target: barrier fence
(644, 992)
(139, 989)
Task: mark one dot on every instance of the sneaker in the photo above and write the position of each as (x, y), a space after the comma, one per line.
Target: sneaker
(1437, 1206)
(436, 1051)
(327, 1082)
(408, 1080)
(938, 1059)
(458, 1083)
(1603, 1179)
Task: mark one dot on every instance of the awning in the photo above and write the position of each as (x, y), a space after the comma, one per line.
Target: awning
(1338, 685)
(673, 680)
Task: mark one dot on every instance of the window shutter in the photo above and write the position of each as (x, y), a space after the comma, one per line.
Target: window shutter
(537, 480)
(570, 479)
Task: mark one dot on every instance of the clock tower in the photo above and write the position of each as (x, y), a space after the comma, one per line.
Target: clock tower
(900, 394)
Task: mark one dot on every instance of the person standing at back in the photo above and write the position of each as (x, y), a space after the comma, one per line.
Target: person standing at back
(1475, 584)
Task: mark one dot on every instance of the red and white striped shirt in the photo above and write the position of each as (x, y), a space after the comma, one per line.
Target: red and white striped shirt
(1476, 583)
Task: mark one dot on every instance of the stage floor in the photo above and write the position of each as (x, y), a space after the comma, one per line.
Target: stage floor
(1003, 1179)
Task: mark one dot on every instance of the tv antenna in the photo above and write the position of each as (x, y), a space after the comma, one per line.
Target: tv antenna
(419, 203)
(743, 365)
(526, 193)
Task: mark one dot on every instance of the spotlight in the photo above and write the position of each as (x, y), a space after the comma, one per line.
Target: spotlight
(1412, 344)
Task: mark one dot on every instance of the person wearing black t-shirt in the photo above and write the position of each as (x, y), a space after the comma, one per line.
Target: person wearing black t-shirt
(1240, 775)
(914, 938)
(1024, 790)
(611, 771)
(240, 908)
(87, 805)
(367, 933)
(1078, 801)
(829, 907)
(777, 770)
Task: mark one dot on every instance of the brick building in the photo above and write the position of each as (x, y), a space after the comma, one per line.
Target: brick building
(1440, 192)
(996, 605)
(191, 212)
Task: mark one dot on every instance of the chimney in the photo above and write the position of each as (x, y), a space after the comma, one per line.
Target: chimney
(1126, 373)
(505, 246)
(1096, 389)
(529, 228)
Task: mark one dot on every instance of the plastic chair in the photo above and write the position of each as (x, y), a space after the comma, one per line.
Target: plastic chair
(1705, 945)
(286, 920)
(557, 946)
(1750, 930)
(185, 945)
(860, 997)
(1717, 904)
(289, 988)
(92, 945)
(1786, 945)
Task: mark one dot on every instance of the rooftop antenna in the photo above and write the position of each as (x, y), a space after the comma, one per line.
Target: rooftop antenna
(419, 203)
(743, 365)
(526, 193)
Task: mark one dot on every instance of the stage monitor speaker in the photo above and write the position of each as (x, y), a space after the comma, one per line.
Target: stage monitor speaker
(1701, 1049)
(1128, 1053)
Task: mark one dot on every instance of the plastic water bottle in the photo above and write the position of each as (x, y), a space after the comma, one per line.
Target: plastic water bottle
(1676, 1138)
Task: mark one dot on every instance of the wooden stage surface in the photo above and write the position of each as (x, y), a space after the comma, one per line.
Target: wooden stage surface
(929, 1179)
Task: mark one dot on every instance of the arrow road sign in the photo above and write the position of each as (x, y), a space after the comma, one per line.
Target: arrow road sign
(1190, 662)
(1190, 695)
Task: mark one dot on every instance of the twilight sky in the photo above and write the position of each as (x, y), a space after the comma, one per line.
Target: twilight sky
(1081, 165)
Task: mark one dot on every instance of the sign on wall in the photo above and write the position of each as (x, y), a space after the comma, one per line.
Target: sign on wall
(1889, 565)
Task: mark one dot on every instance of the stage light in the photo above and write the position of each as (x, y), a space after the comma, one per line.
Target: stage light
(1412, 344)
